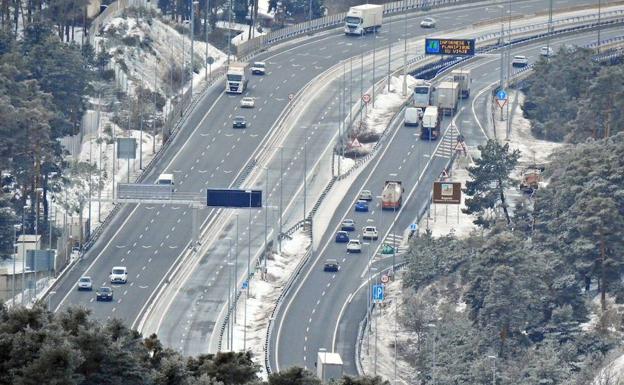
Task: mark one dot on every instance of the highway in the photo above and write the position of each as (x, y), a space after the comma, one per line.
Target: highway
(311, 318)
(148, 238)
(186, 318)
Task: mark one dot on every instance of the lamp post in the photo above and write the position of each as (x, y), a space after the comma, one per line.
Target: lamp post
(493, 369)
(50, 294)
(369, 296)
(433, 355)
(193, 4)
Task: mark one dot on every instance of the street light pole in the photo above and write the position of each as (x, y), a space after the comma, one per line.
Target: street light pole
(493, 369)
(389, 53)
(279, 239)
(266, 222)
(599, 16)
(193, 3)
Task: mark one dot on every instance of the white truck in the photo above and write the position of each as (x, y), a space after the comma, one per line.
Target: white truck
(463, 77)
(392, 195)
(363, 18)
(422, 94)
(328, 366)
(235, 78)
(447, 95)
(430, 129)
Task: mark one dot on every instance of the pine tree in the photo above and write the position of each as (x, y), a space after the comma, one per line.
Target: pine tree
(489, 179)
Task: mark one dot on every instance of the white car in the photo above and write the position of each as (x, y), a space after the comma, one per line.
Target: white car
(428, 22)
(119, 274)
(247, 102)
(369, 232)
(519, 61)
(366, 195)
(354, 246)
(258, 68)
(546, 51)
(85, 283)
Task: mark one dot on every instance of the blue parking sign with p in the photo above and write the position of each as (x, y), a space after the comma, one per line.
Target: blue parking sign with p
(378, 293)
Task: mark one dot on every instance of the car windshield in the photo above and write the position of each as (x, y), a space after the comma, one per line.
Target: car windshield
(118, 271)
(234, 78)
(421, 90)
(353, 20)
(85, 279)
(239, 118)
(105, 289)
(259, 65)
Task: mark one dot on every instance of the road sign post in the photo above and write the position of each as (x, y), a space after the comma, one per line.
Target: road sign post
(378, 293)
(501, 100)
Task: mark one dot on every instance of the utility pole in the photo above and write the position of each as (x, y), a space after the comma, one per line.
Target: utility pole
(389, 52)
(193, 3)
(229, 49)
(235, 268)
(374, 50)
(279, 235)
(206, 26)
(305, 182)
(404, 58)
(550, 16)
(266, 222)
(599, 16)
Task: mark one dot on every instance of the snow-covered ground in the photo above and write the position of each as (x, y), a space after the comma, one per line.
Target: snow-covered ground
(159, 46)
(262, 297)
(388, 332)
(532, 150)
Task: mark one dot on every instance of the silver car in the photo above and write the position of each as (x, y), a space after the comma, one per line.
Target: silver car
(428, 22)
(247, 102)
(85, 283)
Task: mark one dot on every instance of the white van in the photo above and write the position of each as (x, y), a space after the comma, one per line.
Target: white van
(412, 116)
(166, 179)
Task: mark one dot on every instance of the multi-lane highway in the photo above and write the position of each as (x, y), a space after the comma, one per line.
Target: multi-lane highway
(149, 238)
(326, 308)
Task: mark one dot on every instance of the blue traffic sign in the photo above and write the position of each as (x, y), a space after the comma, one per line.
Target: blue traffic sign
(501, 95)
(245, 284)
(378, 293)
(413, 227)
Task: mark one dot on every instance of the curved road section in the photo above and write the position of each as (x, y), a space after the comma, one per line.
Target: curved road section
(309, 319)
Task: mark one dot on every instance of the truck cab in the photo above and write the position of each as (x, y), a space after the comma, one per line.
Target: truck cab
(363, 18)
(235, 78)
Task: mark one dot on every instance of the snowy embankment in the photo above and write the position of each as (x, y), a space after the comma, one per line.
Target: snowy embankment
(263, 294)
(378, 115)
(149, 47)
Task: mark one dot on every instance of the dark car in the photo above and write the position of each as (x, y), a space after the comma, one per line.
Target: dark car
(347, 225)
(104, 294)
(331, 265)
(239, 122)
(342, 237)
(361, 206)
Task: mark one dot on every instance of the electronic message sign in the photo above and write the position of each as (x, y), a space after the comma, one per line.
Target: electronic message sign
(454, 47)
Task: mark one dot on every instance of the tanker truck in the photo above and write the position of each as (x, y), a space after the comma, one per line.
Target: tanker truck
(392, 195)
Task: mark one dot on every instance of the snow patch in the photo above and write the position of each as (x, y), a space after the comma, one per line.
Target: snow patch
(262, 297)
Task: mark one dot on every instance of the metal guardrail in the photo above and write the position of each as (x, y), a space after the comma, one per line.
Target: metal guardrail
(251, 46)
